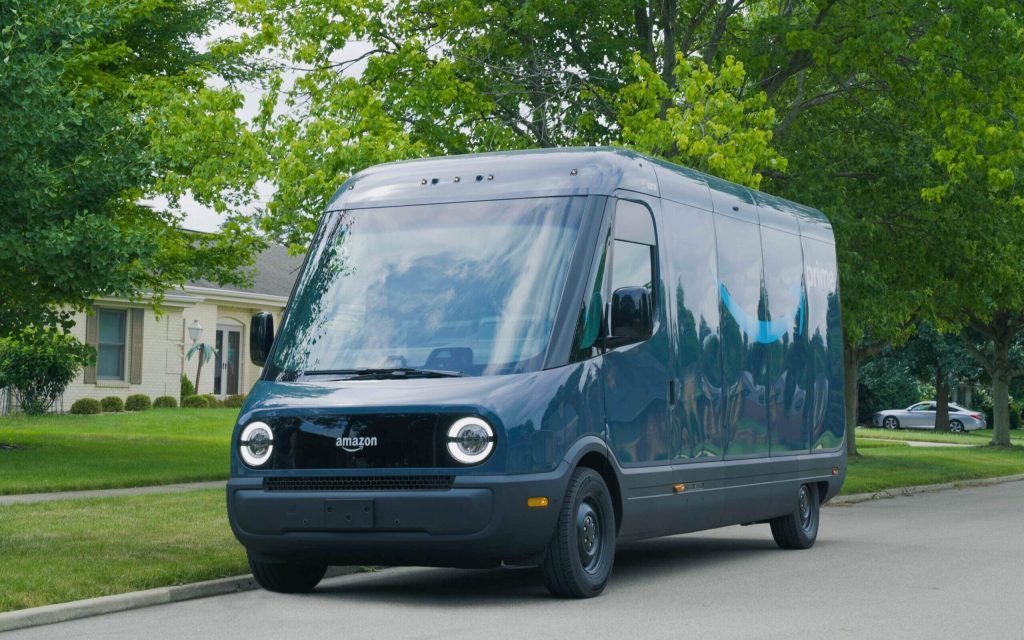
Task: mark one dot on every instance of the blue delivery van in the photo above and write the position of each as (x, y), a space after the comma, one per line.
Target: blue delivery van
(526, 358)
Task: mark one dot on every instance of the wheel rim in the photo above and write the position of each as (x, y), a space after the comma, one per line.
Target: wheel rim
(805, 510)
(955, 426)
(588, 535)
(890, 423)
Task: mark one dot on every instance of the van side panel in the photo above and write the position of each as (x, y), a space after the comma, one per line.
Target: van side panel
(787, 355)
(744, 356)
(692, 279)
(824, 416)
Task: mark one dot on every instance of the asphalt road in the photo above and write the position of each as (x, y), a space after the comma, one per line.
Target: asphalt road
(934, 566)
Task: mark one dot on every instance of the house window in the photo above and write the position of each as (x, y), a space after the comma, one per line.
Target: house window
(110, 352)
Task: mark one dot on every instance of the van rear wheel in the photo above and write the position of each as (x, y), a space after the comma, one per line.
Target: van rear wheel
(287, 577)
(582, 550)
(799, 529)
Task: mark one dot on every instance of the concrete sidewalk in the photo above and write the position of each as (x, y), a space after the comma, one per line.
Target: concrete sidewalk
(30, 498)
(919, 443)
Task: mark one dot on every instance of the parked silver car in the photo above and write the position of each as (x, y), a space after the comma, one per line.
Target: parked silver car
(922, 416)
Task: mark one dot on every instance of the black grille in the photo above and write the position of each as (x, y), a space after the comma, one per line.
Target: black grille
(360, 483)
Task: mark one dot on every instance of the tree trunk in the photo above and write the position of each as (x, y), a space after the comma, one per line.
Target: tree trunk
(941, 401)
(851, 363)
(199, 369)
(1001, 408)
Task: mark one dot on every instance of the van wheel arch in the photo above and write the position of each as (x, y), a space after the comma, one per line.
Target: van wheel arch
(600, 463)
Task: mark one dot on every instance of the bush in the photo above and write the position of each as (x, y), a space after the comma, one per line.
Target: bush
(165, 402)
(187, 388)
(195, 402)
(112, 404)
(234, 401)
(885, 383)
(211, 400)
(86, 407)
(38, 364)
(137, 402)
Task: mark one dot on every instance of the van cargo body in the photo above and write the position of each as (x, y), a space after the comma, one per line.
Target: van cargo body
(525, 357)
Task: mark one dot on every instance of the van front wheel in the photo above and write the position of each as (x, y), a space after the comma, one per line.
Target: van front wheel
(287, 577)
(582, 550)
(799, 529)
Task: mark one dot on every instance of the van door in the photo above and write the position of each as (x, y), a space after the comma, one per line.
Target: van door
(636, 375)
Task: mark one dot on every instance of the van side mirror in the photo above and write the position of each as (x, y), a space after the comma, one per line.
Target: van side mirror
(632, 319)
(261, 337)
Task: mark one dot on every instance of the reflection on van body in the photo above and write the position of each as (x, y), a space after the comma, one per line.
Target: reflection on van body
(524, 358)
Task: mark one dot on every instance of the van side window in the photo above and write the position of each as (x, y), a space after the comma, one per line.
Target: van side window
(633, 251)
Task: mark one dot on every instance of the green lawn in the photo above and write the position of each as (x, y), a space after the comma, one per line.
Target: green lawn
(75, 549)
(159, 446)
(983, 436)
(885, 465)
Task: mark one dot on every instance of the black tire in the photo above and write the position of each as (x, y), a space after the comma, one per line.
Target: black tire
(956, 426)
(799, 529)
(582, 550)
(287, 577)
(891, 423)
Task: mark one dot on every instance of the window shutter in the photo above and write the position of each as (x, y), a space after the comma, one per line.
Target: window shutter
(92, 338)
(135, 376)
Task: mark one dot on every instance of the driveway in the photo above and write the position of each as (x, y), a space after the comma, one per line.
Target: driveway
(940, 565)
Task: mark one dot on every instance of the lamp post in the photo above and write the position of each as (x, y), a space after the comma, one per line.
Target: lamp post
(195, 331)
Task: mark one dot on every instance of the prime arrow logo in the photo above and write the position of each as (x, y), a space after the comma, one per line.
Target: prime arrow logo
(766, 331)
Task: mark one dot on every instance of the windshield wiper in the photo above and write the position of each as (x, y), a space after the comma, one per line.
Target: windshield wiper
(391, 372)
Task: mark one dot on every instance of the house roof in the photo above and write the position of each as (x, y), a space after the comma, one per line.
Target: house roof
(273, 274)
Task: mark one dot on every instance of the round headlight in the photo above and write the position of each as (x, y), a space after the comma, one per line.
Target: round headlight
(256, 444)
(470, 440)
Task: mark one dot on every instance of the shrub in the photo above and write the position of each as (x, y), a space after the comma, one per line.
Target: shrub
(165, 402)
(211, 400)
(885, 383)
(195, 402)
(137, 402)
(234, 401)
(38, 364)
(86, 407)
(112, 404)
(187, 388)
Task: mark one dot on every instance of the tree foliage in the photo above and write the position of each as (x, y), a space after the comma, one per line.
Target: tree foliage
(106, 103)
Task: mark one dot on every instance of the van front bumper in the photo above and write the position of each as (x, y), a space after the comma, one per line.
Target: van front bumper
(480, 521)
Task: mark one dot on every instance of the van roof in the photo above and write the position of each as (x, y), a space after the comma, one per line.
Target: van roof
(565, 172)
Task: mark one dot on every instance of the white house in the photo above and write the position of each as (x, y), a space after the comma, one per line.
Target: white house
(141, 352)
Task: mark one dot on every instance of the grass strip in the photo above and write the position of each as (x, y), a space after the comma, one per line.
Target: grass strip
(76, 549)
(885, 465)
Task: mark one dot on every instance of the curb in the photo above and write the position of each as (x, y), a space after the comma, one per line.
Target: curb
(923, 488)
(52, 613)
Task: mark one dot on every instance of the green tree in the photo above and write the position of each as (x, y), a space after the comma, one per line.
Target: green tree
(941, 359)
(442, 77)
(971, 93)
(106, 103)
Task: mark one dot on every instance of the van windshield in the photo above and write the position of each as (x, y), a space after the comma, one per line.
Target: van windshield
(467, 287)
